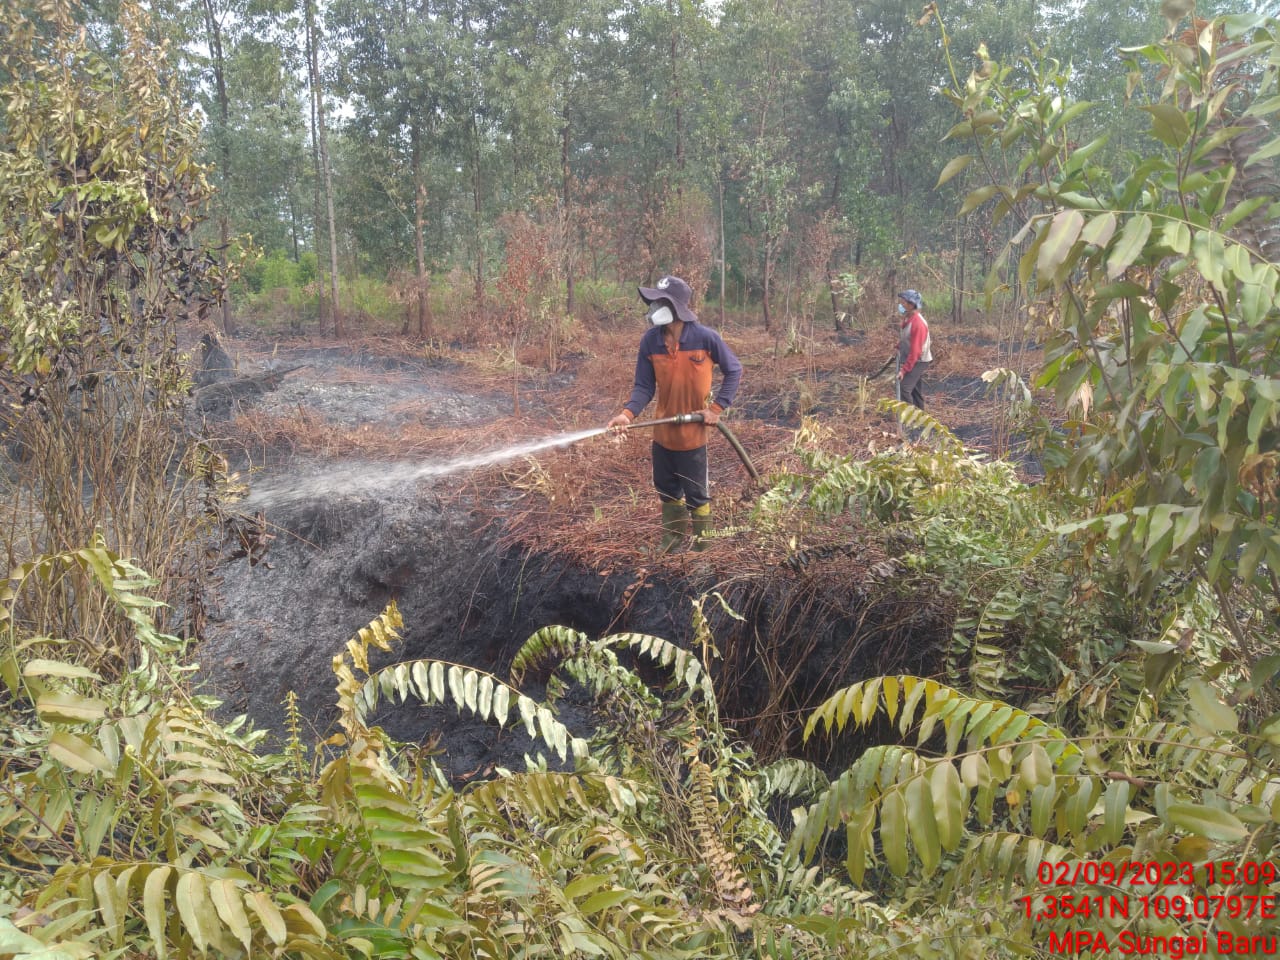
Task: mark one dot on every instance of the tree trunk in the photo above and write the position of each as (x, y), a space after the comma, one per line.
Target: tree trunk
(477, 209)
(214, 29)
(835, 300)
(326, 178)
(422, 284)
(317, 209)
(767, 283)
(566, 198)
(723, 264)
(676, 98)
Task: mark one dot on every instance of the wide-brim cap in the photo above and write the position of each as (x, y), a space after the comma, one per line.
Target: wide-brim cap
(676, 292)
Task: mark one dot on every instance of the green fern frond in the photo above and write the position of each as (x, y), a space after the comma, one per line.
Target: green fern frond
(914, 418)
(436, 682)
(1004, 858)
(923, 805)
(790, 778)
(302, 838)
(401, 840)
(591, 663)
(683, 665)
(554, 643)
(909, 699)
(1196, 758)
(186, 909)
(122, 587)
(789, 888)
(549, 796)
(988, 653)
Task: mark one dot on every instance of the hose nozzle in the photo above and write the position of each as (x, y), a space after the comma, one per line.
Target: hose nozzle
(698, 418)
(678, 418)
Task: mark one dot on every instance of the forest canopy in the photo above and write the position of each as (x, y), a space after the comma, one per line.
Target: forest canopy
(791, 144)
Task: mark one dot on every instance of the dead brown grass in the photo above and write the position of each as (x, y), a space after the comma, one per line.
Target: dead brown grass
(594, 501)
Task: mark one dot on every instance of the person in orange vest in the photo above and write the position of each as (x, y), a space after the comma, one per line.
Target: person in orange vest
(675, 361)
(915, 349)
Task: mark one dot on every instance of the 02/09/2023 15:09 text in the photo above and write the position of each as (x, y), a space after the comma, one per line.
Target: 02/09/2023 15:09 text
(1164, 873)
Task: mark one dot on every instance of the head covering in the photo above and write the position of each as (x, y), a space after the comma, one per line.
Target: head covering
(676, 292)
(912, 297)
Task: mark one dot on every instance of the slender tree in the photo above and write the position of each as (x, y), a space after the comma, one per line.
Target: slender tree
(216, 17)
(761, 40)
(323, 172)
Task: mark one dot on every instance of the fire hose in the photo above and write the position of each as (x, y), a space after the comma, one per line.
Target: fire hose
(697, 418)
(887, 364)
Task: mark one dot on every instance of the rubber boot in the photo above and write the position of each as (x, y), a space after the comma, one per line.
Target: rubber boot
(675, 525)
(701, 526)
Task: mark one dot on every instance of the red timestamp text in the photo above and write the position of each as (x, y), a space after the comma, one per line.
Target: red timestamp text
(1209, 906)
(1161, 873)
(1248, 872)
(1065, 906)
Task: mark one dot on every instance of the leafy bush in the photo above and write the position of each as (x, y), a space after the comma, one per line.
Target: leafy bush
(102, 203)
(276, 271)
(1110, 699)
(140, 823)
(1158, 301)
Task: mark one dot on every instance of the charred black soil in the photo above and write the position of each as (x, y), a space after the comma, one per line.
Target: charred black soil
(454, 553)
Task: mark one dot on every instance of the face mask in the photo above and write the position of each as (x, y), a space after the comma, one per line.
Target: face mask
(901, 308)
(660, 315)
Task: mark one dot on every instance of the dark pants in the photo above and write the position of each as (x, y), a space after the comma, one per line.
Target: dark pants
(681, 475)
(913, 384)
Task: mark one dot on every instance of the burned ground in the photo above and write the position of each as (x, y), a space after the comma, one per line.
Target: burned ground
(478, 560)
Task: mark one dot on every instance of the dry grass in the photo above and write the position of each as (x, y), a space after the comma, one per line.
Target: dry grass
(594, 501)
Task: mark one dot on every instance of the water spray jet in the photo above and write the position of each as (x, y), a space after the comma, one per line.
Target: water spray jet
(353, 478)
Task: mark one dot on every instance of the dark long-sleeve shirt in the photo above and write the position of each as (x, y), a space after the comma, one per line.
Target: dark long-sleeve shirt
(682, 381)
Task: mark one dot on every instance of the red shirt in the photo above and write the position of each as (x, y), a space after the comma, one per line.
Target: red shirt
(913, 341)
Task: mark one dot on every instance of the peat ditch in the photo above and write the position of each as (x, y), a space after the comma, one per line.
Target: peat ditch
(336, 561)
(341, 551)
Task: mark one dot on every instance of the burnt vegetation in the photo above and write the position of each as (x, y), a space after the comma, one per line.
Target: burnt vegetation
(386, 711)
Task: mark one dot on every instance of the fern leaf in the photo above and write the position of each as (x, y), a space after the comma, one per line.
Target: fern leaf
(551, 795)
(923, 805)
(732, 886)
(1202, 759)
(185, 908)
(927, 702)
(1004, 858)
(552, 643)
(914, 418)
(683, 665)
(790, 778)
(436, 683)
(405, 849)
(988, 657)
